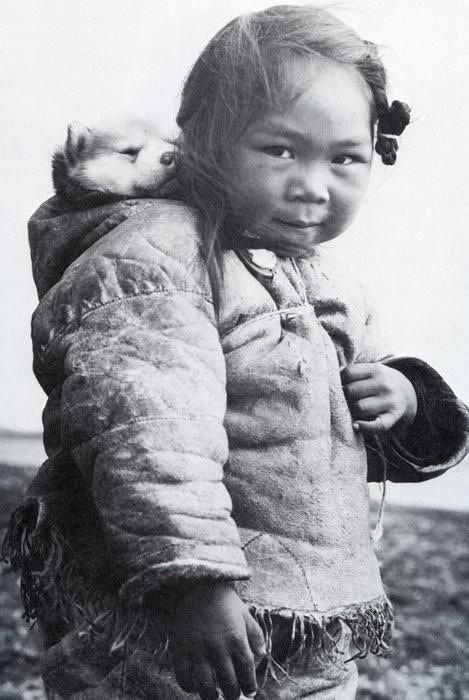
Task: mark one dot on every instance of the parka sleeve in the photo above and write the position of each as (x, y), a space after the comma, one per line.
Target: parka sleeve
(439, 435)
(142, 406)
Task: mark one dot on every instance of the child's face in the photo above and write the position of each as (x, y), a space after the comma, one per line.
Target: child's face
(301, 171)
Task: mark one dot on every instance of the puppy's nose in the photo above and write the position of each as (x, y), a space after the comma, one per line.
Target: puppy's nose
(167, 158)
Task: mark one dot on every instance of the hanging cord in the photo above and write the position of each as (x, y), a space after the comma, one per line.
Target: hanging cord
(378, 530)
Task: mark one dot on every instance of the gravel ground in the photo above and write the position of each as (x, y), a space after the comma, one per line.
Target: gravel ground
(425, 563)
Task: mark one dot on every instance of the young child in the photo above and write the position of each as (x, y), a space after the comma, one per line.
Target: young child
(217, 397)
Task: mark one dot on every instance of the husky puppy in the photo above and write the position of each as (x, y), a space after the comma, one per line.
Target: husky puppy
(129, 159)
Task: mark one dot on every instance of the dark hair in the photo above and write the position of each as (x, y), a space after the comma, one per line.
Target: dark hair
(243, 70)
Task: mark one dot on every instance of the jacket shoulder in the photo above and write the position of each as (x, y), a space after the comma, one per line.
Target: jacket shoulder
(154, 251)
(62, 236)
(156, 248)
(153, 231)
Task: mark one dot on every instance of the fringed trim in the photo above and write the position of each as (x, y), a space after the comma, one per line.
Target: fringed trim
(45, 560)
(368, 626)
(53, 588)
(35, 557)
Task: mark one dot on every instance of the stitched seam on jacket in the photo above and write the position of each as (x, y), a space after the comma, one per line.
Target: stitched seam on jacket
(161, 292)
(152, 419)
(180, 537)
(339, 611)
(261, 317)
(300, 566)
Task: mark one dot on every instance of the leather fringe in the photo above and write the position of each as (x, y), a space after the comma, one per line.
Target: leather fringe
(369, 626)
(53, 588)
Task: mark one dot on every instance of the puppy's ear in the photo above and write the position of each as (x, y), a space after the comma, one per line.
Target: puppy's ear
(77, 137)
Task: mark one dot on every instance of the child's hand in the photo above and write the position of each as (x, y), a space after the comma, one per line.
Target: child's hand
(214, 641)
(379, 397)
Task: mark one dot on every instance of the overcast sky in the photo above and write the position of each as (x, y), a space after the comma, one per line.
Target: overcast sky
(80, 59)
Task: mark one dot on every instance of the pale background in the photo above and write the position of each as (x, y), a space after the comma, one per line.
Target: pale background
(81, 59)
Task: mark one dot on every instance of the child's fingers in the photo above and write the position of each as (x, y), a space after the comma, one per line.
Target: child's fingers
(246, 672)
(361, 389)
(204, 681)
(255, 636)
(227, 676)
(368, 408)
(380, 424)
(361, 370)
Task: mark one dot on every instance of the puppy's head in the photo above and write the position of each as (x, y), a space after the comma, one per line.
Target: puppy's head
(129, 159)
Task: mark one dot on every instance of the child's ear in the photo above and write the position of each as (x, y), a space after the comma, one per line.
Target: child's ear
(77, 137)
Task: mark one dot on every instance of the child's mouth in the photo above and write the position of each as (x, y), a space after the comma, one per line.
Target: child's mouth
(298, 223)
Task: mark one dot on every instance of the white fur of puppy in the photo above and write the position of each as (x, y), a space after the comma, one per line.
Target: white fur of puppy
(129, 159)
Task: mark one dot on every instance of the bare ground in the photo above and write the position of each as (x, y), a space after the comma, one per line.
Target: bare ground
(425, 563)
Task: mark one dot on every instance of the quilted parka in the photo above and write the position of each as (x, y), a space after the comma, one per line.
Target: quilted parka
(184, 445)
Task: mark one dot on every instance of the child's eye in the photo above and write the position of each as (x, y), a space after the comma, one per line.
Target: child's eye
(343, 160)
(279, 151)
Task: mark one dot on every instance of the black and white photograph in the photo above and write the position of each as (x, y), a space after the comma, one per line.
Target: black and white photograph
(234, 430)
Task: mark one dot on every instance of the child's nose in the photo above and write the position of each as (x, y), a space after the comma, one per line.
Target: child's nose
(310, 184)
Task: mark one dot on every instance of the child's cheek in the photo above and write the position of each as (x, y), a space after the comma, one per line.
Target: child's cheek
(350, 200)
(260, 187)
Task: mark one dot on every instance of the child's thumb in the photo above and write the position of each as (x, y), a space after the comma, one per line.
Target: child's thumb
(255, 636)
